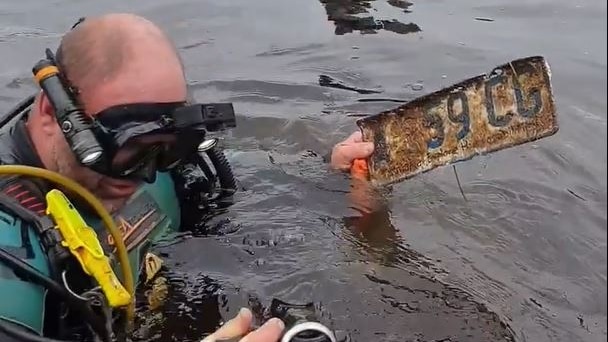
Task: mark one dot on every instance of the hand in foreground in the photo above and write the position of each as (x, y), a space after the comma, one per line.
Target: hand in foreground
(344, 153)
(241, 325)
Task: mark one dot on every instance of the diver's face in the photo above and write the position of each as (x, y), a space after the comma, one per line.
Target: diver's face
(152, 80)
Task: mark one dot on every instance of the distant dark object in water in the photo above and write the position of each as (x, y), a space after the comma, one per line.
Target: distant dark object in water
(401, 4)
(381, 100)
(399, 27)
(343, 14)
(328, 81)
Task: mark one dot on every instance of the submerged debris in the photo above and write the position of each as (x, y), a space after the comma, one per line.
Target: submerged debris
(346, 15)
(328, 81)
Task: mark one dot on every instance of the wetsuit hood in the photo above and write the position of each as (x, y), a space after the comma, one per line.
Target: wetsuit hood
(16, 146)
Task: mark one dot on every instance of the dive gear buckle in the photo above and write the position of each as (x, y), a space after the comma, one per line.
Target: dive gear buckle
(82, 242)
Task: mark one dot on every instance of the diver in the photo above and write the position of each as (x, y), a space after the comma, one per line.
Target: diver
(113, 115)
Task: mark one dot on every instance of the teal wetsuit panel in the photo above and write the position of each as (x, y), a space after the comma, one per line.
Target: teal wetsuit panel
(151, 213)
(21, 302)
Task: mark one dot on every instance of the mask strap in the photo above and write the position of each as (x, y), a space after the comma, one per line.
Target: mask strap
(58, 57)
(80, 20)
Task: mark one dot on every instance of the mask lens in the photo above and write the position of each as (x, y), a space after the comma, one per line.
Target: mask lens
(137, 161)
(162, 157)
(174, 153)
(159, 151)
(169, 157)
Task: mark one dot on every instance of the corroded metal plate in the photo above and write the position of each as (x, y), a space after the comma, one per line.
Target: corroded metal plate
(510, 106)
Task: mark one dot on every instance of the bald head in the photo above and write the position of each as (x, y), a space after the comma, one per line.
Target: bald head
(115, 59)
(101, 49)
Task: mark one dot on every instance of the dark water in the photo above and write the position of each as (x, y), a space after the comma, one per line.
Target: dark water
(527, 249)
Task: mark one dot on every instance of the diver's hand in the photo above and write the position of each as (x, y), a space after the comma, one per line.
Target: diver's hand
(241, 325)
(344, 153)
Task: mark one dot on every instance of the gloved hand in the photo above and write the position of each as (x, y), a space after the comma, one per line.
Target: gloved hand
(240, 326)
(344, 153)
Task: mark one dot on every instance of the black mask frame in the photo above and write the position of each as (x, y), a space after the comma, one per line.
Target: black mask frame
(120, 126)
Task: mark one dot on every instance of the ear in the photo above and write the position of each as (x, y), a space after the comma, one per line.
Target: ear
(46, 116)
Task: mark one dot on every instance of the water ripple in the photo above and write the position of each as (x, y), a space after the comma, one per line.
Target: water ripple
(266, 88)
(14, 33)
(299, 51)
(528, 248)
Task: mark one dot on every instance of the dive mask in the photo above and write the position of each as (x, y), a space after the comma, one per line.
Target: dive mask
(131, 141)
(140, 139)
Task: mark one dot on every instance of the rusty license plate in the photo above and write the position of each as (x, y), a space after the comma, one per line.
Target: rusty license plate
(510, 106)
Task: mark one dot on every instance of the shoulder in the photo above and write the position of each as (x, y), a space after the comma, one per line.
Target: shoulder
(19, 239)
(7, 156)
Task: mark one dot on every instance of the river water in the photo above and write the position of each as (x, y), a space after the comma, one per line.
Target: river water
(525, 254)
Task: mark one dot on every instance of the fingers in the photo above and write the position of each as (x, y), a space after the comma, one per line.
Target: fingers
(358, 150)
(269, 332)
(236, 327)
(344, 153)
(359, 169)
(355, 137)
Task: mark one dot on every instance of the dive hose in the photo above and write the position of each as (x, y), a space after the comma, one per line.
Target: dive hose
(223, 170)
(18, 109)
(71, 185)
(24, 270)
(25, 336)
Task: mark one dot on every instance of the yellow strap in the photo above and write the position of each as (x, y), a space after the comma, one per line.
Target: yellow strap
(45, 72)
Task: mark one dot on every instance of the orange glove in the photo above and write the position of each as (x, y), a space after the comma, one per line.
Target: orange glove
(361, 193)
(359, 169)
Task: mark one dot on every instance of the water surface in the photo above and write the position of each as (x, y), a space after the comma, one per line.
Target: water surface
(525, 255)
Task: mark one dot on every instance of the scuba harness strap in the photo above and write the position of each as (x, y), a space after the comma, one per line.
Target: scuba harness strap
(59, 260)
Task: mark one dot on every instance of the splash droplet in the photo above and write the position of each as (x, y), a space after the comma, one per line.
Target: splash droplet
(417, 86)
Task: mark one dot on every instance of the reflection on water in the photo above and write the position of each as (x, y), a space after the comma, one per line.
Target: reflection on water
(377, 238)
(191, 310)
(356, 268)
(353, 15)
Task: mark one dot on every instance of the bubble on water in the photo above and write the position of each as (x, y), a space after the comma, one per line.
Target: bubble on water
(184, 308)
(260, 262)
(418, 86)
(298, 237)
